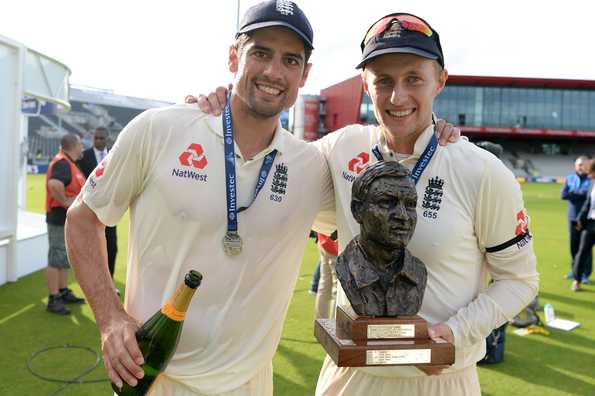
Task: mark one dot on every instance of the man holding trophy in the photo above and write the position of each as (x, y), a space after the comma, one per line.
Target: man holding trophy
(471, 227)
(471, 223)
(382, 280)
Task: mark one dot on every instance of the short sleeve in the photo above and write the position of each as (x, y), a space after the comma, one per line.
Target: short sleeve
(121, 176)
(61, 172)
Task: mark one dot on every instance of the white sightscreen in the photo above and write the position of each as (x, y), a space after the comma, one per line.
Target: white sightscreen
(9, 131)
(22, 72)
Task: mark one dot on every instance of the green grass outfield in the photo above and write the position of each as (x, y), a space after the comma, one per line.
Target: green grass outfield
(562, 363)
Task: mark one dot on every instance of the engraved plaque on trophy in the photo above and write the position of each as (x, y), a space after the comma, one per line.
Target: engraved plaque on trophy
(383, 282)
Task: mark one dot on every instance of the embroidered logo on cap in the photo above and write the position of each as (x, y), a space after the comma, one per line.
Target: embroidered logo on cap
(394, 30)
(194, 156)
(285, 7)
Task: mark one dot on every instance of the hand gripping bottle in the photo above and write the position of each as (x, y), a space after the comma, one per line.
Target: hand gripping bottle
(158, 337)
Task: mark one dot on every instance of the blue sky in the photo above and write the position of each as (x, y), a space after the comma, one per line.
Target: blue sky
(164, 50)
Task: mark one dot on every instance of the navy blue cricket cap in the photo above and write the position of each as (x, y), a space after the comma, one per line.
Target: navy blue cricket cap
(401, 33)
(283, 13)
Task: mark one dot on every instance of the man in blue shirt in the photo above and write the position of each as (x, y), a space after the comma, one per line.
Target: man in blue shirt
(575, 191)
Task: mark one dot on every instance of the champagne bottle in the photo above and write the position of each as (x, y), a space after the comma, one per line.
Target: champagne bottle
(158, 337)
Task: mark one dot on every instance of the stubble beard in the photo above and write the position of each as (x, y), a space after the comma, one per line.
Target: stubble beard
(263, 113)
(259, 109)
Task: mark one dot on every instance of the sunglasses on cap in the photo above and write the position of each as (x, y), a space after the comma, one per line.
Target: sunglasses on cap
(407, 22)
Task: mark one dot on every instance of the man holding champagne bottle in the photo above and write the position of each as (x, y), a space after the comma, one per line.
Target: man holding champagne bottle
(471, 225)
(232, 196)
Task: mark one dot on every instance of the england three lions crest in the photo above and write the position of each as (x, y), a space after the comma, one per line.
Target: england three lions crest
(433, 196)
(279, 183)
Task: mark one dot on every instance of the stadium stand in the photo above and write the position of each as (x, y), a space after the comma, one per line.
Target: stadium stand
(91, 108)
(531, 159)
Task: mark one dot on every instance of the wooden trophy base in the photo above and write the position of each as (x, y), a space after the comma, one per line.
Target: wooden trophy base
(360, 341)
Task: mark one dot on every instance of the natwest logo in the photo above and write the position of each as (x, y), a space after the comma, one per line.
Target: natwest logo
(522, 223)
(358, 163)
(194, 156)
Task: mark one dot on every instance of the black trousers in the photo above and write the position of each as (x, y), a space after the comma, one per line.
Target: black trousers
(575, 241)
(582, 259)
(112, 248)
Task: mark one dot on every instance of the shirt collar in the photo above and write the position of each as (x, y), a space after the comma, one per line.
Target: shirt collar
(364, 276)
(420, 144)
(104, 151)
(278, 143)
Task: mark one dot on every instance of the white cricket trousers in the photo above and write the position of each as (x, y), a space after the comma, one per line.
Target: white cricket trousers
(260, 385)
(348, 381)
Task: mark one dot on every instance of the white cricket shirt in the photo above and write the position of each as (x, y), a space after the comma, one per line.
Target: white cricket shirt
(470, 223)
(168, 167)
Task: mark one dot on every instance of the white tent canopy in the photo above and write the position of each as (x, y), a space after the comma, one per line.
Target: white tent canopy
(23, 72)
(45, 78)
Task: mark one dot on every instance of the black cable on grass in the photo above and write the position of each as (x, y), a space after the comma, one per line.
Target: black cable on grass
(67, 382)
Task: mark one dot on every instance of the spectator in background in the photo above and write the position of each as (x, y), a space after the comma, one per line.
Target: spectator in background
(493, 148)
(91, 157)
(39, 155)
(316, 275)
(63, 183)
(315, 279)
(585, 223)
(329, 250)
(575, 191)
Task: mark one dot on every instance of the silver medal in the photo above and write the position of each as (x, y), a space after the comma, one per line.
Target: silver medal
(232, 243)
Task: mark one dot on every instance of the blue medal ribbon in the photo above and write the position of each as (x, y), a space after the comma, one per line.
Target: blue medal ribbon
(377, 153)
(422, 162)
(425, 158)
(230, 171)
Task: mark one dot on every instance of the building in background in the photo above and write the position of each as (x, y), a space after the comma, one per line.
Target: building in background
(91, 108)
(309, 116)
(542, 124)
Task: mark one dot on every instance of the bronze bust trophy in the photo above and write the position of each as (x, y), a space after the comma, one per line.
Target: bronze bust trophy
(384, 283)
(378, 274)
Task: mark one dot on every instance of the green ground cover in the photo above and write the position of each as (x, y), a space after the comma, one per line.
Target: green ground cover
(562, 363)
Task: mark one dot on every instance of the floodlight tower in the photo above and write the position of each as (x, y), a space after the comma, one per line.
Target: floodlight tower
(23, 73)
